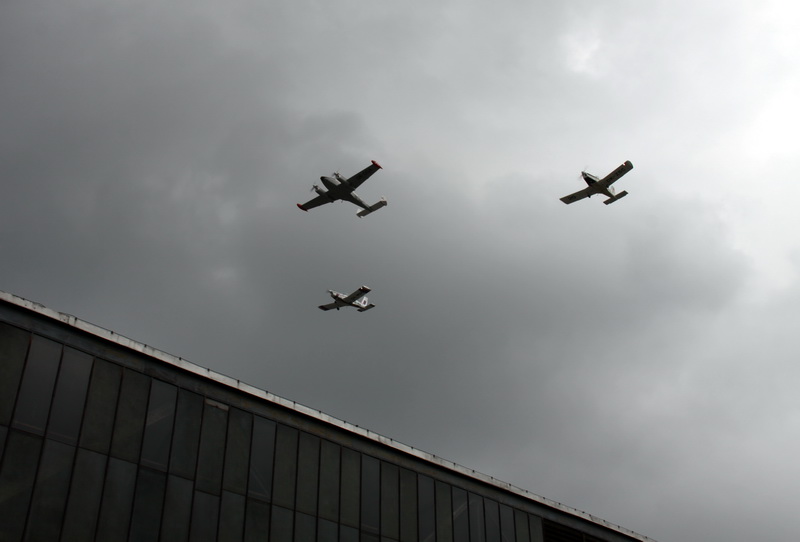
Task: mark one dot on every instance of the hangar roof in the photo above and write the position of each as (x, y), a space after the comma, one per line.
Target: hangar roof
(243, 387)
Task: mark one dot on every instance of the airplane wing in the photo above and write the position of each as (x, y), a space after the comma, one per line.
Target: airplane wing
(612, 177)
(579, 195)
(361, 292)
(356, 180)
(328, 307)
(316, 202)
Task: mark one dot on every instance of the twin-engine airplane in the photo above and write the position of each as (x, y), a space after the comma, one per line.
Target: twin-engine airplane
(340, 188)
(352, 300)
(601, 186)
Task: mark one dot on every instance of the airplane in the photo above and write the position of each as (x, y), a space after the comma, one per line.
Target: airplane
(601, 186)
(340, 188)
(357, 299)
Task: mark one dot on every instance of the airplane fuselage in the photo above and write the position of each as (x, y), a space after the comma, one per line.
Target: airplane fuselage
(597, 186)
(339, 189)
(340, 300)
(333, 184)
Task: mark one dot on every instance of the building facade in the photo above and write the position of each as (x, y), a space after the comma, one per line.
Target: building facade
(106, 439)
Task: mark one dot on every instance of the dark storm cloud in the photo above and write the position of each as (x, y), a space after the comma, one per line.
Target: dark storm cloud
(134, 129)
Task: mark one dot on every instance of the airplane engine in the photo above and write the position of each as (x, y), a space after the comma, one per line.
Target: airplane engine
(329, 182)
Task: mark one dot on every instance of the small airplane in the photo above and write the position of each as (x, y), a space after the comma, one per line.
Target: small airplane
(601, 186)
(357, 299)
(340, 188)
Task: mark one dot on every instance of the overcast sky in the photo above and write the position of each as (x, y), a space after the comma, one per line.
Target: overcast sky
(637, 361)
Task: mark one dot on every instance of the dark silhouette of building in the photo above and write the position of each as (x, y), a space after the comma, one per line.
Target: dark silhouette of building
(103, 438)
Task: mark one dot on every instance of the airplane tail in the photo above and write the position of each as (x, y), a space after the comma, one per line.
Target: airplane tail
(372, 208)
(616, 197)
(364, 304)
